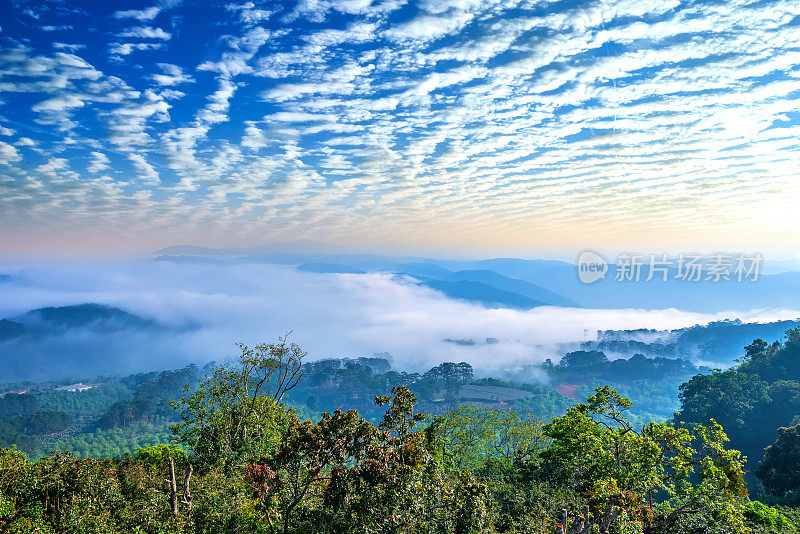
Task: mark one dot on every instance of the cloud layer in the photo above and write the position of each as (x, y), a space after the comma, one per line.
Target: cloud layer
(210, 307)
(502, 122)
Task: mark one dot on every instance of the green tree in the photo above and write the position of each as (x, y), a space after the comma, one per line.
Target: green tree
(343, 474)
(235, 414)
(779, 471)
(737, 401)
(469, 436)
(661, 476)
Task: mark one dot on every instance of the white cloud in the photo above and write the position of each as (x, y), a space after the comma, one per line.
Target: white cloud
(138, 14)
(289, 116)
(427, 27)
(218, 104)
(471, 123)
(248, 13)
(359, 32)
(128, 124)
(235, 61)
(71, 48)
(53, 165)
(330, 315)
(61, 27)
(99, 163)
(124, 49)
(8, 154)
(59, 103)
(146, 171)
(171, 75)
(145, 32)
(338, 81)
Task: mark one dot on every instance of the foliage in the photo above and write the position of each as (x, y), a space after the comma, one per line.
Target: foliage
(751, 400)
(108, 443)
(762, 518)
(779, 471)
(12, 405)
(150, 402)
(469, 436)
(587, 364)
(597, 453)
(22, 430)
(233, 415)
(343, 474)
(243, 460)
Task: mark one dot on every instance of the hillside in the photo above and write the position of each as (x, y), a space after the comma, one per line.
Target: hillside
(84, 339)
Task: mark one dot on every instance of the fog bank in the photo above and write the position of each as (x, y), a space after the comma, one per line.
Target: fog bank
(209, 307)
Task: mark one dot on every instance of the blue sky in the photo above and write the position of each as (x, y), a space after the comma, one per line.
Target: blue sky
(454, 125)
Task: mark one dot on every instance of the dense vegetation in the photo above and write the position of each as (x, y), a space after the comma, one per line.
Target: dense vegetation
(261, 445)
(115, 416)
(752, 400)
(717, 341)
(252, 464)
(119, 415)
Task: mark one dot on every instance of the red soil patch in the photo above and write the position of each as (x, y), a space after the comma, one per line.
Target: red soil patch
(568, 390)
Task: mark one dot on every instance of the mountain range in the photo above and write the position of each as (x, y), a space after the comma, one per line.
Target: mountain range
(64, 341)
(518, 283)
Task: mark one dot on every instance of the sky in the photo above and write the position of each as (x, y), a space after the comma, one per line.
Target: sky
(449, 125)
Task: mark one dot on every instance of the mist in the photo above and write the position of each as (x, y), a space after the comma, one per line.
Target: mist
(204, 309)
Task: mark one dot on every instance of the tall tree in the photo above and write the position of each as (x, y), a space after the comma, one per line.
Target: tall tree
(235, 414)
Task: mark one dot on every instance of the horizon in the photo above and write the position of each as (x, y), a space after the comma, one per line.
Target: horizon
(314, 247)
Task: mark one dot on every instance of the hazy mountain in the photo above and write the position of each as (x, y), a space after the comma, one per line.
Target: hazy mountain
(188, 258)
(85, 339)
(511, 285)
(546, 281)
(494, 289)
(421, 269)
(335, 268)
(10, 329)
(719, 342)
(483, 294)
(96, 316)
(534, 271)
(770, 291)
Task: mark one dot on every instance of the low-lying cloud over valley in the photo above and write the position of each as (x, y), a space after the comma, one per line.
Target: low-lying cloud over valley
(199, 310)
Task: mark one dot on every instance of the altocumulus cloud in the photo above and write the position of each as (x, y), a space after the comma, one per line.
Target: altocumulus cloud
(459, 120)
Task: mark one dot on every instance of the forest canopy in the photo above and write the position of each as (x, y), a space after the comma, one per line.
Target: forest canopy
(243, 460)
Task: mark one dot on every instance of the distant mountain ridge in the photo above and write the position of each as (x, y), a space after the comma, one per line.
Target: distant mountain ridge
(481, 293)
(83, 315)
(332, 268)
(481, 286)
(512, 285)
(718, 342)
(64, 341)
(548, 282)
